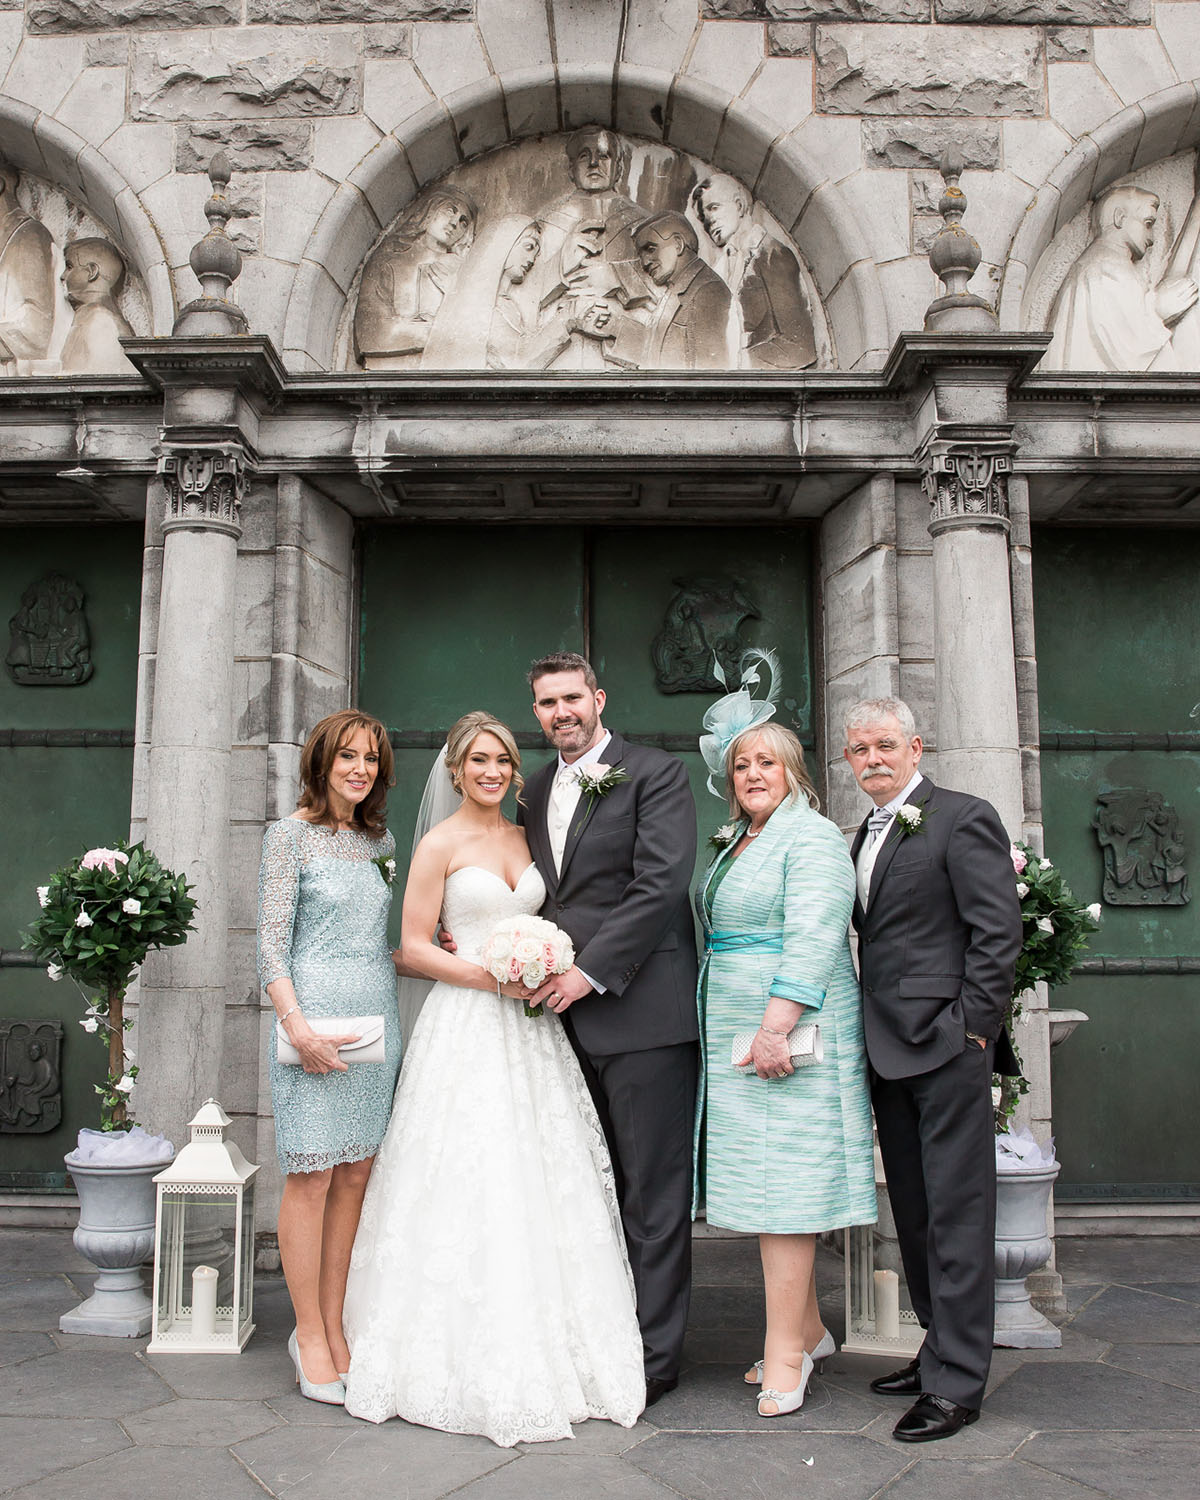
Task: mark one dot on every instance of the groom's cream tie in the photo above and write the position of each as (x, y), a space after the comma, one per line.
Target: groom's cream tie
(564, 798)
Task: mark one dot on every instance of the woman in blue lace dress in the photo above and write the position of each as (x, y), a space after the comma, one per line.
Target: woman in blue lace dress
(324, 895)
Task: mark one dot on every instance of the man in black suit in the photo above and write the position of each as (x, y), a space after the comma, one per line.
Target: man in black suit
(617, 867)
(939, 927)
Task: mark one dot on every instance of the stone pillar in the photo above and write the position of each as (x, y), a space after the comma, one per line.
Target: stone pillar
(965, 476)
(182, 1000)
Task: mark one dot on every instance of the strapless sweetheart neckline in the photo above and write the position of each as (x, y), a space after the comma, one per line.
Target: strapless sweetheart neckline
(462, 869)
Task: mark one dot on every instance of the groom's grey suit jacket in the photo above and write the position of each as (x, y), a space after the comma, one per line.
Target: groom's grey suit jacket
(622, 897)
(940, 935)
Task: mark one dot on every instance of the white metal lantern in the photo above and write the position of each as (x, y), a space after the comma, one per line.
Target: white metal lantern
(879, 1318)
(204, 1244)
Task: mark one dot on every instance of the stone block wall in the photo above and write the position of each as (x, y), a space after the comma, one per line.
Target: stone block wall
(334, 112)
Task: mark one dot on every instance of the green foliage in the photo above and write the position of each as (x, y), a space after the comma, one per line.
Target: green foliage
(100, 916)
(1055, 932)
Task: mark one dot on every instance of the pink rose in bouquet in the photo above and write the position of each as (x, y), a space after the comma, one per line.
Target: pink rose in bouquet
(526, 950)
(1019, 859)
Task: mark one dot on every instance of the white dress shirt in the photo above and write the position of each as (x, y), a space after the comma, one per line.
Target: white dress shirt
(560, 809)
(869, 852)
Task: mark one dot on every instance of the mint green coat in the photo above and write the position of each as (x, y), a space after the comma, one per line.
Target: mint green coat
(790, 1155)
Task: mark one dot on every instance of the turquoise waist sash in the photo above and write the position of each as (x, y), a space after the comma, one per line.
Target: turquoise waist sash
(767, 939)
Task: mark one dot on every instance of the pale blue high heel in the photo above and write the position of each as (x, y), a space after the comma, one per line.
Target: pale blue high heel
(819, 1355)
(331, 1392)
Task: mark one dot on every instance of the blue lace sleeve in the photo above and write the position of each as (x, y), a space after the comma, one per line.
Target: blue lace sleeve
(278, 892)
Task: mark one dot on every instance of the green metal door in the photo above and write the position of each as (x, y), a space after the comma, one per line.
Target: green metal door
(453, 616)
(66, 763)
(1118, 644)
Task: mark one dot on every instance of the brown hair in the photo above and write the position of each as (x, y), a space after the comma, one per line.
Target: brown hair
(316, 762)
(463, 735)
(562, 661)
(783, 743)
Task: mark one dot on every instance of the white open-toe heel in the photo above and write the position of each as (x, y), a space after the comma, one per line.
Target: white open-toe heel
(786, 1401)
(825, 1347)
(331, 1392)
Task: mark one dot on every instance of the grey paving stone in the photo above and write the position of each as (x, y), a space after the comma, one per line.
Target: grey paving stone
(705, 1466)
(1184, 1291)
(1123, 1314)
(298, 1411)
(14, 1347)
(201, 1424)
(981, 1479)
(725, 1307)
(594, 1437)
(1090, 1398)
(549, 1477)
(723, 1346)
(39, 1251)
(261, 1371)
(1132, 1260)
(143, 1473)
(1080, 1296)
(330, 1463)
(1075, 1347)
(725, 1262)
(1173, 1364)
(81, 1383)
(34, 1447)
(36, 1302)
(1128, 1464)
(715, 1398)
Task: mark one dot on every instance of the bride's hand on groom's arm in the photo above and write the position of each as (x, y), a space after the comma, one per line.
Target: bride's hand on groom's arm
(561, 991)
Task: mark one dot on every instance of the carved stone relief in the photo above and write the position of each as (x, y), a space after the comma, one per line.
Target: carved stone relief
(1144, 852)
(30, 1076)
(703, 621)
(205, 488)
(966, 485)
(66, 294)
(49, 642)
(588, 251)
(1118, 287)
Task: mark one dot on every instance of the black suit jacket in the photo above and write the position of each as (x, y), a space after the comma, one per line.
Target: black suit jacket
(622, 896)
(939, 939)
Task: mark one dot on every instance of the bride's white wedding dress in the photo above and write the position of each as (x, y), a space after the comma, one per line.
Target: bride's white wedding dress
(489, 1288)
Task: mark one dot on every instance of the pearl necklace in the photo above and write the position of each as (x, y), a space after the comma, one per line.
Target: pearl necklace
(755, 834)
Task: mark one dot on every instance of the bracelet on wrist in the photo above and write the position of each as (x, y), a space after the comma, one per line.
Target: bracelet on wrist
(288, 1013)
(770, 1030)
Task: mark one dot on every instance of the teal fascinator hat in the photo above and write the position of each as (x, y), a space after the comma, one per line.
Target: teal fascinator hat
(735, 712)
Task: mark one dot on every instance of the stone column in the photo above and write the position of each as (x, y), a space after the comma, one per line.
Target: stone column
(182, 1001)
(965, 475)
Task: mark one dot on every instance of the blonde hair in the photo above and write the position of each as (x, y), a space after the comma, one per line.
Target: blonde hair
(780, 740)
(463, 735)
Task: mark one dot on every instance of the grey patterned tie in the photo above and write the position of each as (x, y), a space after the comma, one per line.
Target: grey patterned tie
(877, 823)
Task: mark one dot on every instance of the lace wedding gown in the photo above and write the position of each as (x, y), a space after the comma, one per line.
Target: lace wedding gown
(489, 1287)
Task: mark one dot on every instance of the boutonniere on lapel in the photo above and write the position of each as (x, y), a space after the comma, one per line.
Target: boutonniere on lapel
(386, 866)
(724, 836)
(596, 780)
(910, 819)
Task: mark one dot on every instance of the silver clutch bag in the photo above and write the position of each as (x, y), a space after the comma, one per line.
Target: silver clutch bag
(804, 1046)
(368, 1030)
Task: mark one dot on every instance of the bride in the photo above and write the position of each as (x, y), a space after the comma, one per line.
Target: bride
(489, 1288)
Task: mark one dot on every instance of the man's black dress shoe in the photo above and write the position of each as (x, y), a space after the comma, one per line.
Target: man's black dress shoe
(933, 1417)
(905, 1382)
(657, 1387)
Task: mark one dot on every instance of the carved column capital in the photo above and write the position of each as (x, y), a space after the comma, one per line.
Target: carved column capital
(965, 480)
(205, 487)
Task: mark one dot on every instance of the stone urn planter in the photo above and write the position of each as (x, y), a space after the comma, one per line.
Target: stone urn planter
(116, 1233)
(1022, 1246)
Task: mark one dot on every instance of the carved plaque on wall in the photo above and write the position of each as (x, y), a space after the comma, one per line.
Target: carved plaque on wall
(1143, 848)
(30, 1076)
(49, 641)
(703, 621)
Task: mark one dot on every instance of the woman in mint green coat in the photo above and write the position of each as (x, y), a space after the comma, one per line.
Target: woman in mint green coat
(782, 1152)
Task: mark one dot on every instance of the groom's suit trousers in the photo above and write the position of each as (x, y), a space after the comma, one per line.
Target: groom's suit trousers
(646, 1102)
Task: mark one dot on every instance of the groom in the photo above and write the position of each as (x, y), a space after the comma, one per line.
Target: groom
(617, 863)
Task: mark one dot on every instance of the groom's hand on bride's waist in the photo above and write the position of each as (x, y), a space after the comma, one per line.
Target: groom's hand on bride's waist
(562, 990)
(446, 939)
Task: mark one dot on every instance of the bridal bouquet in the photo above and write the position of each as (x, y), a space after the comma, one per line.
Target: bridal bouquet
(527, 950)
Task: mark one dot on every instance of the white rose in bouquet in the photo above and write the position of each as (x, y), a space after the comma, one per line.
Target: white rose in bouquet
(528, 946)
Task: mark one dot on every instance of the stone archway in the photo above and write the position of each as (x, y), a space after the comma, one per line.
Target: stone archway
(1159, 126)
(656, 106)
(43, 147)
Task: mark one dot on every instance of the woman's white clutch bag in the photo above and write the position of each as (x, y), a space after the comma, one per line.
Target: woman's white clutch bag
(804, 1046)
(368, 1030)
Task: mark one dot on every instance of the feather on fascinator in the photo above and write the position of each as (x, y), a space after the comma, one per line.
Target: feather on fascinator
(735, 712)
